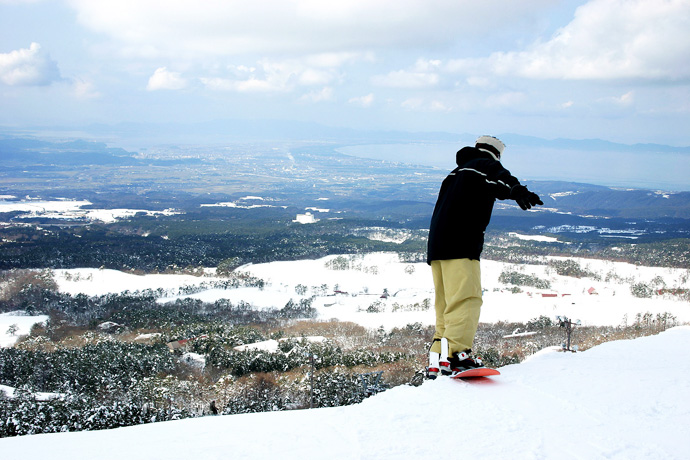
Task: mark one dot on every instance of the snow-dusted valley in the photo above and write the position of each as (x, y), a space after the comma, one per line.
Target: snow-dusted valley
(379, 290)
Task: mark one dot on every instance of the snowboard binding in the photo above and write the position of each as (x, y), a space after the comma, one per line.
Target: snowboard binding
(456, 366)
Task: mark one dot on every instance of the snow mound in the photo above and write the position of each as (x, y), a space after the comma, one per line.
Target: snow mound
(623, 400)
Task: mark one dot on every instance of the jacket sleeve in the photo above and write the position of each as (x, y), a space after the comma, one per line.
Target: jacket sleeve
(499, 179)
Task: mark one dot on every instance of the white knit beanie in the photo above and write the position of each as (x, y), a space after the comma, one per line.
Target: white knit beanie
(491, 145)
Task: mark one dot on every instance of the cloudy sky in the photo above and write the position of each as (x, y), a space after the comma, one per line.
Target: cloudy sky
(611, 69)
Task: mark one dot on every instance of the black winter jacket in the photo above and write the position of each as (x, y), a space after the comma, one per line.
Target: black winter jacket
(464, 205)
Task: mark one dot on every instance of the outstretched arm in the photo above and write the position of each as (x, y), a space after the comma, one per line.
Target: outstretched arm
(507, 186)
(524, 197)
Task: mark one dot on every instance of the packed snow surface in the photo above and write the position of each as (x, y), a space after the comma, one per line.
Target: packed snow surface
(620, 400)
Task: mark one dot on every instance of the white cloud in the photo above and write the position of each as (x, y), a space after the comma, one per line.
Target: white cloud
(251, 85)
(265, 78)
(406, 79)
(325, 94)
(28, 67)
(273, 76)
(362, 101)
(335, 60)
(427, 65)
(187, 28)
(479, 82)
(506, 99)
(438, 106)
(84, 89)
(420, 104)
(413, 103)
(423, 74)
(627, 98)
(315, 77)
(162, 78)
(624, 100)
(241, 72)
(607, 39)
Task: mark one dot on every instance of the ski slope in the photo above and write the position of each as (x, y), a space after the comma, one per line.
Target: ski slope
(620, 400)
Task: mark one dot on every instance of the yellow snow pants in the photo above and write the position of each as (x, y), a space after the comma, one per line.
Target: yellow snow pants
(457, 283)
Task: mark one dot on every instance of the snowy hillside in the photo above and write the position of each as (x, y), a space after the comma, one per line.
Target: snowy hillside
(350, 288)
(618, 400)
(623, 400)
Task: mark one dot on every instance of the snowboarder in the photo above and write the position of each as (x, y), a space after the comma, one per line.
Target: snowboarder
(456, 239)
(214, 409)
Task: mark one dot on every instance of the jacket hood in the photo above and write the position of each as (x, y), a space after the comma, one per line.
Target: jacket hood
(466, 154)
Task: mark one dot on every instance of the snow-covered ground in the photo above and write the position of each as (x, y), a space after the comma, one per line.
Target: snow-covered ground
(9, 393)
(71, 210)
(620, 400)
(95, 282)
(271, 345)
(348, 294)
(15, 324)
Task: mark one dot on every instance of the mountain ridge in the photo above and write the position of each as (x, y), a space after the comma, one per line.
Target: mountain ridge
(265, 130)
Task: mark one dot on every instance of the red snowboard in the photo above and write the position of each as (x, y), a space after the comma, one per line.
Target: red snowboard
(478, 372)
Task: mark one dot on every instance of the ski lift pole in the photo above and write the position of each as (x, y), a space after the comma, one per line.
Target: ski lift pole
(568, 325)
(312, 366)
(311, 378)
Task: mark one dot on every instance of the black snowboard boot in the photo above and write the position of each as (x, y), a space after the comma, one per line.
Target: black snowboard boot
(463, 361)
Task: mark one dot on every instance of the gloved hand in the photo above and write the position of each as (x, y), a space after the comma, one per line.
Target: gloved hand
(524, 197)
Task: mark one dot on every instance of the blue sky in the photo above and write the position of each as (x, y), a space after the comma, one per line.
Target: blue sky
(612, 69)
